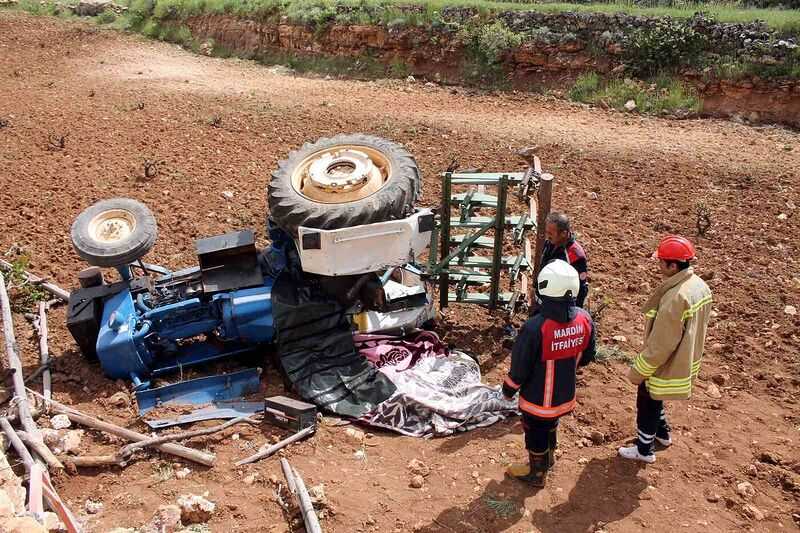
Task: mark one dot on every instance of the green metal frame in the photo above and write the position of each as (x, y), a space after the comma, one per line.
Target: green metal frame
(452, 261)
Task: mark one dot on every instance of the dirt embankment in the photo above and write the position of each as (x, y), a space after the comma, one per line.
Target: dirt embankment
(442, 57)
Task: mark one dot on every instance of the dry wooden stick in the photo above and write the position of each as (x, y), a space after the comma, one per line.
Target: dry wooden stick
(124, 453)
(16, 442)
(41, 449)
(15, 364)
(307, 508)
(53, 289)
(266, 451)
(78, 417)
(44, 350)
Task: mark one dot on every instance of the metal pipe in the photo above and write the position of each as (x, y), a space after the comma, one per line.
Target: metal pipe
(143, 331)
(140, 305)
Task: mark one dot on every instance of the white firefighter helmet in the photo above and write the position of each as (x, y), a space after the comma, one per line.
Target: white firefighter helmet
(558, 280)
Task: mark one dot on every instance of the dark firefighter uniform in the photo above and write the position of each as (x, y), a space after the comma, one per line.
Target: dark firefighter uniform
(545, 357)
(572, 252)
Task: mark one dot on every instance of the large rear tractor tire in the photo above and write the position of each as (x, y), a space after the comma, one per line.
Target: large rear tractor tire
(345, 181)
(114, 232)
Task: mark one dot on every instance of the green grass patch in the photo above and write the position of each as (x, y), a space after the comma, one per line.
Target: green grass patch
(362, 67)
(661, 93)
(23, 295)
(395, 11)
(608, 352)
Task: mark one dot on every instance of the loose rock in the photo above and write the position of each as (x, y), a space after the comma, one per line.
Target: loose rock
(419, 468)
(92, 507)
(195, 509)
(181, 474)
(745, 490)
(790, 310)
(630, 105)
(60, 422)
(417, 482)
(166, 519)
(70, 442)
(753, 512)
(713, 392)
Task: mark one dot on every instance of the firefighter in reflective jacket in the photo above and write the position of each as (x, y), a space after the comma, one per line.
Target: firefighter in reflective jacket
(560, 244)
(547, 352)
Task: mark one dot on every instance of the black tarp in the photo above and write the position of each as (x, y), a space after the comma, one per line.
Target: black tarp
(316, 347)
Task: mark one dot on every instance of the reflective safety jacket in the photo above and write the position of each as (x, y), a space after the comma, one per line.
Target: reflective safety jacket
(675, 333)
(545, 357)
(572, 252)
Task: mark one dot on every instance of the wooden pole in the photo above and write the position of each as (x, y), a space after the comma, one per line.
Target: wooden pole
(15, 365)
(76, 416)
(304, 501)
(545, 199)
(267, 451)
(44, 350)
(16, 442)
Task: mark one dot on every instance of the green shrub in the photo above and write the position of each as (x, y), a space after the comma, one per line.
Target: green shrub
(541, 35)
(311, 12)
(668, 45)
(141, 10)
(497, 39)
(106, 17)
(585, 87)
(23, 296)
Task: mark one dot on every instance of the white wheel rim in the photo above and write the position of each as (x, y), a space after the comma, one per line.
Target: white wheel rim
(112, 226)
(341, 174)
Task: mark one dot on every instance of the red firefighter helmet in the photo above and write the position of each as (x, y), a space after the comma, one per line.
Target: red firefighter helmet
(675, 248)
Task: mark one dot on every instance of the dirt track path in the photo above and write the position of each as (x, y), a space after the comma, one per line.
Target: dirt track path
(648, 174)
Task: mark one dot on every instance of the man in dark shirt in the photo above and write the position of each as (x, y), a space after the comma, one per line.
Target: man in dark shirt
(546, 355)
(560, 244)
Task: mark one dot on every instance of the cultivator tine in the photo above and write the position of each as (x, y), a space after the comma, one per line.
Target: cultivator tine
(465, 207)
(519, 229)
(515, 269)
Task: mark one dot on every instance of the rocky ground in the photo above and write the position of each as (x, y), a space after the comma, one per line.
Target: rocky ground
(220, 125)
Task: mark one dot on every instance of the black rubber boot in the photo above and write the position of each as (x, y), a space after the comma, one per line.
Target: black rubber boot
(534, 473)
(552, 442)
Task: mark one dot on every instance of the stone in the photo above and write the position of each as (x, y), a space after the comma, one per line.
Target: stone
(360, 455)
(52, 523)
(91, 8)
(92, 507)
(783, 216)
(317, 494)
(23, 524)
(630, 105)
(227, 194)
(181, 474)
(417, 482)
(720, 379)
(7, 509)
(70, 442)
(713, 497)
(717, 347)
(50, 436)
(583, 461)
(354, 433)
(620, 338)
(166, 519)
(419, 468)
(713, 392)
(60, 422)
(195, 509)
(753, 512)
(249, 480)
(273, 479)
(591, 195)
(745, 490)
(411, 79)
(120, 399)
(597, 437)
(752, 471)
(790, 310)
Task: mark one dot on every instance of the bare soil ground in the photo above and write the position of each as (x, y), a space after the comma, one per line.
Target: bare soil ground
(648, 175)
